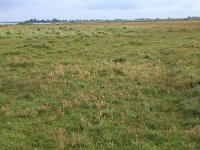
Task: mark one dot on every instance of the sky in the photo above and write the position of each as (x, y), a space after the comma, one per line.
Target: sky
(20, 10)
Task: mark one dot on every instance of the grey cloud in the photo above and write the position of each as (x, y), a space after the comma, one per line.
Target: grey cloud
(91, 9)
(113, 4)
(10, 4)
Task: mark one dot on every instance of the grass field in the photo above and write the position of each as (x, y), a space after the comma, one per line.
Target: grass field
(100, 86)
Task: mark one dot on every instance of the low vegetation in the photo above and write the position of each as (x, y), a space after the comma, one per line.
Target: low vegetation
(100, 86)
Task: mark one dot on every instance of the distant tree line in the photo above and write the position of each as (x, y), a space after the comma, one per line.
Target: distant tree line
(193, 17)
(55, 20)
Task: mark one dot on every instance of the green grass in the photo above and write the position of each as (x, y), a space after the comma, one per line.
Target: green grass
(100, 86)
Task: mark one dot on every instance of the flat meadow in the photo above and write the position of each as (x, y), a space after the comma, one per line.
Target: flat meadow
(126, 85)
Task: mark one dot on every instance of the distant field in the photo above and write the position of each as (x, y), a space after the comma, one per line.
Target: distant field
(115, 86)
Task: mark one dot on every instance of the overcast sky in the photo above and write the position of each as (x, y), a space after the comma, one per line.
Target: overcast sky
(20, 10)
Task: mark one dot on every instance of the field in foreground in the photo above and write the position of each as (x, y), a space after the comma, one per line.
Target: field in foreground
(100, 86)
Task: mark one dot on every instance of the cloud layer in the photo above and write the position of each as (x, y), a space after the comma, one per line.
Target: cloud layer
(18, 10)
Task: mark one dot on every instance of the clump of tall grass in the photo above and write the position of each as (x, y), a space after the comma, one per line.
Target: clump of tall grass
(8, 33)
(119, 60)
(56, 32)
(41, 46)
(83, 34)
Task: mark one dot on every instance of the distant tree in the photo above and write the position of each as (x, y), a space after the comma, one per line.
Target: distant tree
(55, 20)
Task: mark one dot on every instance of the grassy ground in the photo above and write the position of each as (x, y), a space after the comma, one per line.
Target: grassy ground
(100, 86)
